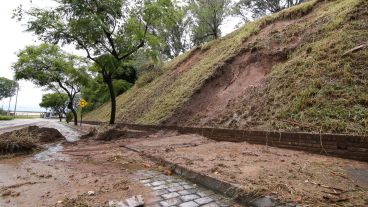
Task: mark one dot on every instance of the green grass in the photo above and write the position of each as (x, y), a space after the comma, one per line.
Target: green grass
(6, 118)
(316, 85)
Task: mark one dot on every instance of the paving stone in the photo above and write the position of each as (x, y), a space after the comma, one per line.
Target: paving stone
(174, 191)
(187, 186)
(264, 202)
(173, 185)
(160, 192)
(159, 187)
(176, 188)
(204, 200)
(213, 204)
(170, 202)
(157, 183)
(189, 197)
(189, 204)
(205, 193)
(170, 195)
(187, 192)
(145, 181)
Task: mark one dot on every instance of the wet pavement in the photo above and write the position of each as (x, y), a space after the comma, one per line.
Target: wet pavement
(70, 134)
(167, 190)
(176, 191)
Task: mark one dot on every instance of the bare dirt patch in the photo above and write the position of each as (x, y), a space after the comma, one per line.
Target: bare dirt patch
(231, 80)
(90, 165)
(292, 176)
(27, 139)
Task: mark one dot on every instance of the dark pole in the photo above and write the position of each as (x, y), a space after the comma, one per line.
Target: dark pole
(81, 116)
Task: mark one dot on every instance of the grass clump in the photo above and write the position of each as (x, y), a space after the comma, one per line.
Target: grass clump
(6, 118)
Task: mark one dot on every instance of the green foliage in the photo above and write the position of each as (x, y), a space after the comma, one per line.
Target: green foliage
(97, 93)
(48, 66)
(209, 16)
(317, 85)
(7, 88)
(57, 102)
(109, 31)
(6, 118)
(259, 8)
(69, 117)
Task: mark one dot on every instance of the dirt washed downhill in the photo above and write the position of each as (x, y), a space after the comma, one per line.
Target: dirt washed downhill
(292, 176)
(92, 173)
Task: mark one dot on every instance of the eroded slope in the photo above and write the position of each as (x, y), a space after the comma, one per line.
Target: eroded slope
(285, 71)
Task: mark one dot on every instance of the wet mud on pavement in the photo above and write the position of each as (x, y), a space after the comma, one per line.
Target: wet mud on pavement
(92, 173)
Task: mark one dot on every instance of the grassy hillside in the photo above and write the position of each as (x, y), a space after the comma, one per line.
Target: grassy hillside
(309, 84)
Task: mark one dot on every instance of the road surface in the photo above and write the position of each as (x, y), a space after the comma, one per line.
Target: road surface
(69, 133)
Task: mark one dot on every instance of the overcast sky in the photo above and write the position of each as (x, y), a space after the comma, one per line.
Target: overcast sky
(13, 39)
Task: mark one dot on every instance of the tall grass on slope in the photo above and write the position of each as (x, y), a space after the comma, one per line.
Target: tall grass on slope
(319, 86)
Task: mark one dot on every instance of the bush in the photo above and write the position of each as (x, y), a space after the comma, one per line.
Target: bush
(6, 117)
(69, 117)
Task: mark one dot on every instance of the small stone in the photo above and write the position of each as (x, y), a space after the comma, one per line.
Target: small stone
(135, 201)
(189, 197)
(159, 187)
(160, 192)
(170, 195)
(263, 202)
(204, 193)
(188, 186)
(176, 188)
(186, 192)
(189, 204)
(157, 183)
(211, 205)
(170, 202)
(202, 201)
(91, 193)
(145, 181)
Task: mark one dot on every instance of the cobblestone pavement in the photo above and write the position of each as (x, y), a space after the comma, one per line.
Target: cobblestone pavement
(175, 191)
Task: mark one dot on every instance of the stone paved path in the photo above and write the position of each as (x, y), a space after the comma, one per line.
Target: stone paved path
(175, 191)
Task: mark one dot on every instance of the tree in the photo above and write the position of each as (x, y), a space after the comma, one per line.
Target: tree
(109, 31)
(8, 88)
(259, 8)
(175, 32)
(48, 66)
(97, 93)
(208, 16)
(56, 102)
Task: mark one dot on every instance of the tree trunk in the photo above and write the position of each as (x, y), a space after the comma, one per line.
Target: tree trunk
(70, 106)
(108, 81)
(60, 117)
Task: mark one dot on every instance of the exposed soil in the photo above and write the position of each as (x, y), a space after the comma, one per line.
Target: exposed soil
(231, 81)
(86, 166)
(293, 176)
(27, 139)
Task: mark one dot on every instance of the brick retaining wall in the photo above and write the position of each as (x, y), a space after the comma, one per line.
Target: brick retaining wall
(339, 145)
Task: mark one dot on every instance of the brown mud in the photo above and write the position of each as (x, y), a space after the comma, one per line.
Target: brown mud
(292, 176)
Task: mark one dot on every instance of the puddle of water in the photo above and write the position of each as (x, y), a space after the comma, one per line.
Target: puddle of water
(50, 153)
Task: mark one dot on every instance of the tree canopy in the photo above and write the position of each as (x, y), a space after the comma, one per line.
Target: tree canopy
(8, 87)
(48, 66)
(57, 102)
(109, 31)
(259, 8)
(209, 16)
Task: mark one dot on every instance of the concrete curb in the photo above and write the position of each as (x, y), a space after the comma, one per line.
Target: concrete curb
(230, 190)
